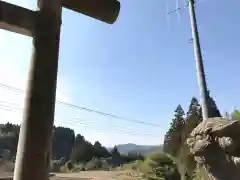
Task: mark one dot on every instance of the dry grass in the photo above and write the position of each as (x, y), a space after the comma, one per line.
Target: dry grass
(67, 178)
(100, 175)
(129, 175)
(95, 175)
(6, 173)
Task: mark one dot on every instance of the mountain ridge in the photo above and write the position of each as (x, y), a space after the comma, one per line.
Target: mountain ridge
(135, 148)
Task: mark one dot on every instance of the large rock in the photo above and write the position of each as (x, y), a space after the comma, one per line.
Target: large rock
(215, 144)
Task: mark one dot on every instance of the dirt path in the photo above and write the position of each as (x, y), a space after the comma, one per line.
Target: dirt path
(84, 175)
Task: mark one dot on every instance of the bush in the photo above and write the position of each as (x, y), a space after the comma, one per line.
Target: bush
(70, 165)
(93, 164)
(161, 159)
(160, 166)
(55, 166)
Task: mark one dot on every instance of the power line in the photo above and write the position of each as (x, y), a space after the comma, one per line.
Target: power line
(108, 114)
(72, 120)
(8, 108)
(114, 130)
(183, 7)
(16, 108)
(85, 125)
(84, 122)
(75, 120)
(88, 109)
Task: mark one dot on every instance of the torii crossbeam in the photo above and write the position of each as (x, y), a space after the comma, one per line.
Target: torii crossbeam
(44, 26)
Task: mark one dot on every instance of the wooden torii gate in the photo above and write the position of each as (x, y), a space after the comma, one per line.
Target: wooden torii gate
(44, 26)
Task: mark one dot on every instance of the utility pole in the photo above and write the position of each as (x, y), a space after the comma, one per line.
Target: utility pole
(199, 61)
(204, 96)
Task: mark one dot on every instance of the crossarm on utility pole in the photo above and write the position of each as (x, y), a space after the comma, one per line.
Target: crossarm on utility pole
(17, 19)
(104, 10)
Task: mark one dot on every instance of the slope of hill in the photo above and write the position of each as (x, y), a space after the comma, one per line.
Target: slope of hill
(133, 148)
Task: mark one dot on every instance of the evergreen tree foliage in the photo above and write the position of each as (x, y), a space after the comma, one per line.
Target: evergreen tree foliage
(114, 152)
(180, 129)
(62, 142)
(65, 145)
(235, 115)
(213, 110)
(174, 137)
(162, 166)
(194, 116)
(99, 151)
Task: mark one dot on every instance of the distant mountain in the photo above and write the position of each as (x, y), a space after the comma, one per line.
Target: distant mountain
(134, 148)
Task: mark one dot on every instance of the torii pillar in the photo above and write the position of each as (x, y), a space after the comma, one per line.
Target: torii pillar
(44, 26)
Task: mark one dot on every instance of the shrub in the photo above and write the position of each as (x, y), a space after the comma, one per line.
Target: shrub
(160, 166)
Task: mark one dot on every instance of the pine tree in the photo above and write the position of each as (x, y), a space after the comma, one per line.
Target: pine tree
(174, 137)
(115, 152)
(168, 141)
(213, 110)
(100, 151)
(194, 116)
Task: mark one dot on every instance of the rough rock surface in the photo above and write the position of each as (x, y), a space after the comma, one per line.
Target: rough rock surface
(215, 144)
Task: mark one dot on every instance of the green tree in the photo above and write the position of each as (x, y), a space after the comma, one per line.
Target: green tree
(194, 116)
(175, 136)
(100, 151)
(65, 145)
(114, 152)
(9, 138)
(235, 115)
(130, 157)
(161, 165)
(62, 142)
(213, 110)
(82, 150)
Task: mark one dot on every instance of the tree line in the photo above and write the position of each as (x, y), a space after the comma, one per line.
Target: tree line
(65, 144)
(181, 126)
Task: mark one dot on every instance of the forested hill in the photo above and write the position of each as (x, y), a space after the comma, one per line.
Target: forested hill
(65, 143)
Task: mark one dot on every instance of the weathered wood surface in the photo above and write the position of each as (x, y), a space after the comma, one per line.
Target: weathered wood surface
(22, 21)
(44, 25)
(104, 10)
(32, 158)
(6, 178)
(17, 19)
(53, 178)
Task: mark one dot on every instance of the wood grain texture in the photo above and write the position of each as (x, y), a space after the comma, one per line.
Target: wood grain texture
(17, 19)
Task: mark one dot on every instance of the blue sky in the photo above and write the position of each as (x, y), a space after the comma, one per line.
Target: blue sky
(141, 67)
